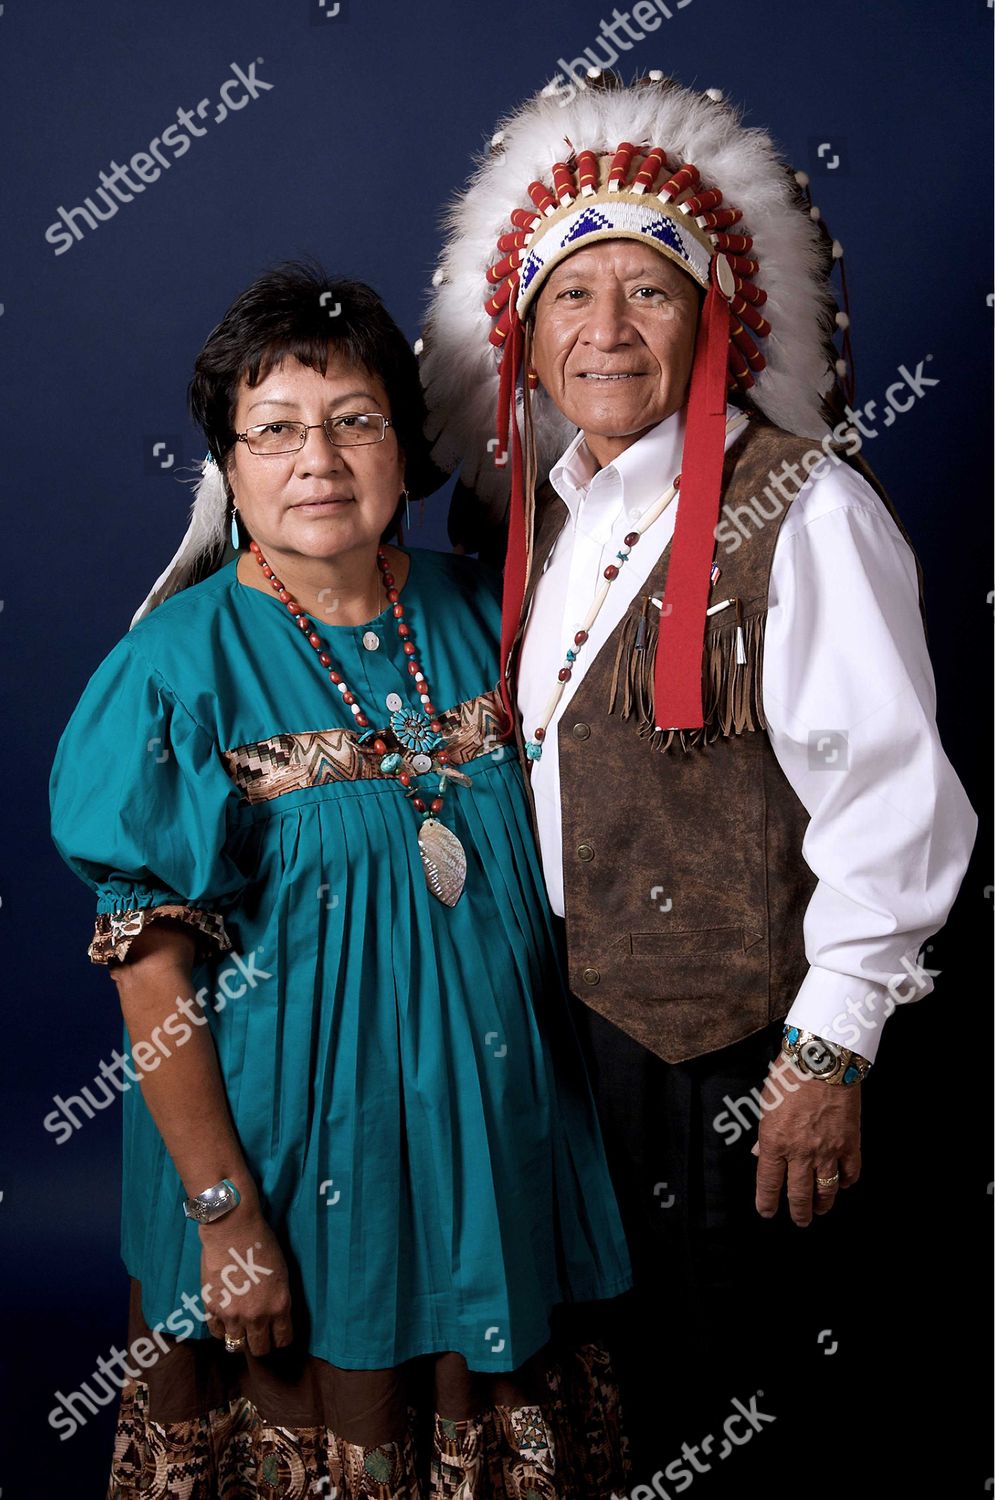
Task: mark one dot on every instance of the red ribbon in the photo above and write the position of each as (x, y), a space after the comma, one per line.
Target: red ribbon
(515, 560)
(677, 701)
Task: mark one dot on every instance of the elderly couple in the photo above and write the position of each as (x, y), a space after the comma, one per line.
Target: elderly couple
(462, 1127)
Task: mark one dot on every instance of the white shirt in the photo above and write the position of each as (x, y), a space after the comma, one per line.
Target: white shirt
(890, 829)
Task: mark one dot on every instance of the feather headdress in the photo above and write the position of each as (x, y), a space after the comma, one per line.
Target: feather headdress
(675, 169)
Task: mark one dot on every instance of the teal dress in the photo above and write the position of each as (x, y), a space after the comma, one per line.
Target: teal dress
(404, 1076)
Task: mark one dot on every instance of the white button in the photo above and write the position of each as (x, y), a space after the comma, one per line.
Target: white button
(394, 702)
(420, 764)
(371, 640)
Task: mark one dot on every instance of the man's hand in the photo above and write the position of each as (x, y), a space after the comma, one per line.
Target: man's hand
(810, 1129)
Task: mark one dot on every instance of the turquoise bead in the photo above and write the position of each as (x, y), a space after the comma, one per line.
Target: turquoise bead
(533, 750)
(391, 763)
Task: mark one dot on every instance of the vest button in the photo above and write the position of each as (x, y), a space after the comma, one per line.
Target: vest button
(585, 851)
(591, 976)
(582, 731)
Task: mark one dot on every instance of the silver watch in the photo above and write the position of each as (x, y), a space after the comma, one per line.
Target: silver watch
(821, 1059)
(212, 1204)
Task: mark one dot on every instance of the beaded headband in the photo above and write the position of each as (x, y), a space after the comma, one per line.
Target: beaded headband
(631, 194)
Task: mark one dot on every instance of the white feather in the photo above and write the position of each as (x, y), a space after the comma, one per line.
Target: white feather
(205, 530)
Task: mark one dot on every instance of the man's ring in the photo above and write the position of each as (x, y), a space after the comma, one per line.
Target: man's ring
(234, 1346)
(828, 1181)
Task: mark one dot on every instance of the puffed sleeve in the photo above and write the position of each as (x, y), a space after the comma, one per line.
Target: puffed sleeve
(141, 806)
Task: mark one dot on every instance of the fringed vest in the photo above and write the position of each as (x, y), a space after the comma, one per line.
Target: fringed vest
(684, 880)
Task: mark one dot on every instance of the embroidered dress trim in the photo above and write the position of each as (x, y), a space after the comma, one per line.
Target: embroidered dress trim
(572, 1444)
(290, 762)
(114, 932)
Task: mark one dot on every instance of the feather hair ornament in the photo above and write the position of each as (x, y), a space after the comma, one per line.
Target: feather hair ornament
(205, 538)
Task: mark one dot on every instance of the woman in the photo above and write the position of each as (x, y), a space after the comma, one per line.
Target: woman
(366, 1154)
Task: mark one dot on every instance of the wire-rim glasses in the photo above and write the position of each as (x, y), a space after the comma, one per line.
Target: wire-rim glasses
(350, 429)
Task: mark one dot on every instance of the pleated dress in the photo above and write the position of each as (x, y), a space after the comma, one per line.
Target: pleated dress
(403, 1075)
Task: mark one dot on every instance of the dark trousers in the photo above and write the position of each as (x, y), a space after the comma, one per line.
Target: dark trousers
(705, 1321)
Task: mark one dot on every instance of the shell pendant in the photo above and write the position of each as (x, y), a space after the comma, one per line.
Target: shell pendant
(444, 860)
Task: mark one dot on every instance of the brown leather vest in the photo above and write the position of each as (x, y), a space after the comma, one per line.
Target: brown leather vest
(684, 880)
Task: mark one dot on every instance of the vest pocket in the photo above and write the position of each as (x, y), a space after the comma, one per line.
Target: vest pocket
(692, 966)
(705, 940)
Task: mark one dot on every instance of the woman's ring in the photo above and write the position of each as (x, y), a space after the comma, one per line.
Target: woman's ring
(234, 1346)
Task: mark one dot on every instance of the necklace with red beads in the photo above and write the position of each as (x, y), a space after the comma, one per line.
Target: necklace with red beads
(533, 747)
(413, 745)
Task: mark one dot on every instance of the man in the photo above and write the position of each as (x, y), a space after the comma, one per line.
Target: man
(716, 663)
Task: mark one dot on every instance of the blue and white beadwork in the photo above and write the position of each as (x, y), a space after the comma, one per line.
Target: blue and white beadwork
(618, 220)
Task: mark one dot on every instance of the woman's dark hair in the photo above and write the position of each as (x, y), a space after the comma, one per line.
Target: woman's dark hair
(297, 310)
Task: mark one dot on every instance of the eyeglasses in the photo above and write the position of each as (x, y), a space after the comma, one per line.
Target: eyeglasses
(351, 429)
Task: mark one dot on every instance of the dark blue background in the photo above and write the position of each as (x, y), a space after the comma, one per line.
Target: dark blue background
(368, 128)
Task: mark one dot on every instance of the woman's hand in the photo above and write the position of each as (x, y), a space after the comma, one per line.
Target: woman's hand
(244, 1282)
(244, 1279)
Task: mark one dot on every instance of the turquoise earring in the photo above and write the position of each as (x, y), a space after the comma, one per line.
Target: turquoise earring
(235, 538)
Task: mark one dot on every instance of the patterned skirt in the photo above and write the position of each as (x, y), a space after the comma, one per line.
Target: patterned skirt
(206, 1425)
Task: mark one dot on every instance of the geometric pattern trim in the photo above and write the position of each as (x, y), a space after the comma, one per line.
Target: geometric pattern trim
(620, 219)
(114, 932)
(290, 762)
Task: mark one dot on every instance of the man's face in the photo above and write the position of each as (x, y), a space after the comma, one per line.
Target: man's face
(613, 342)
